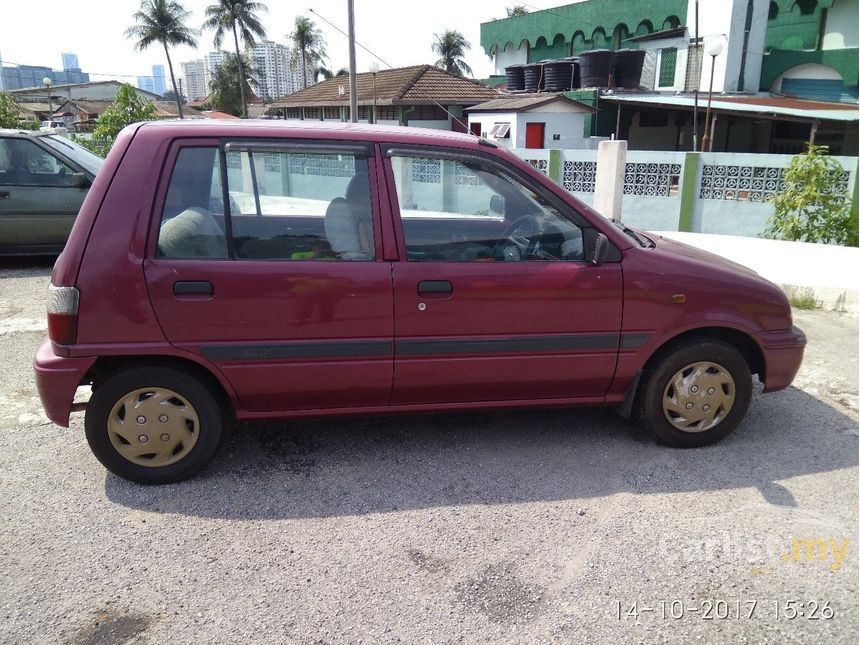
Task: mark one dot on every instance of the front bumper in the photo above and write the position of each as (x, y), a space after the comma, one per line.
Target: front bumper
(783, 354)
(57, 379)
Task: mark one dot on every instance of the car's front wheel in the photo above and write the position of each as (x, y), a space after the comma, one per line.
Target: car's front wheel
(695, 394)
(153, 424)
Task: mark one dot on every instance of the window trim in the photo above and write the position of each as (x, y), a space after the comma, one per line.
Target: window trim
(434, 152)
(358, 149)
(392, 150)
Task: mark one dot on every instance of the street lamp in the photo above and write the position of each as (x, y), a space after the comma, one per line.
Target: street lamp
(714, 49)
(47, 83)
(374, 69)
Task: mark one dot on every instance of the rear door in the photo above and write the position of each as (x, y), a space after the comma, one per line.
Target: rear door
(40, 196)
(267, 289)
(493, 298)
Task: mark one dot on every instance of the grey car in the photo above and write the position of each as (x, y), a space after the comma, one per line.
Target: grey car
(44, 178)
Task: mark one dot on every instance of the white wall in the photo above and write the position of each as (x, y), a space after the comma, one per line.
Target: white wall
(489, 119)
(568, 125)
(511, 55)
(725, 20)
(840, 30)
(653, 76)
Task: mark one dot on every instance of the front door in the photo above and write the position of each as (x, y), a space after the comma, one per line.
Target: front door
(40, 196)
(286, 293)
(493, 298)
(535, 134)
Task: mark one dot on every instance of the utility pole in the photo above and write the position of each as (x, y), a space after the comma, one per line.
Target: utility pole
(698, 80)
(179, 98)
(353, 94)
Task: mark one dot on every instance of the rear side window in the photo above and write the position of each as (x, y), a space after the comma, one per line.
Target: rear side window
(192, 221)
(283, 205)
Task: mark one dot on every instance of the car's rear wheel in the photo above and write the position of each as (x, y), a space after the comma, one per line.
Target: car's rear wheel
(695, 394)
(154, 424)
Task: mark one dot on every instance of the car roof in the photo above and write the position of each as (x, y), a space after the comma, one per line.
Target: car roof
(316, 130)
(12, 132)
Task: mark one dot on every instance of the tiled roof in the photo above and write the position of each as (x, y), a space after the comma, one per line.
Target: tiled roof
(523, 103)
(416, 85)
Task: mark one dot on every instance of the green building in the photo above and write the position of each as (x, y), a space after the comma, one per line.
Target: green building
(766, 58)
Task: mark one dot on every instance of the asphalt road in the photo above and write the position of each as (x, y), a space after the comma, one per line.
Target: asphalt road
(551, 526)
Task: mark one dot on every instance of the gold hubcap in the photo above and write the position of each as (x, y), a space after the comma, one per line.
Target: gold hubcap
(698, 397)
(153, 426)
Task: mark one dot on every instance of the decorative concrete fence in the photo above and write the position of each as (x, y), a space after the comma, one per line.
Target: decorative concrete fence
(710, 192)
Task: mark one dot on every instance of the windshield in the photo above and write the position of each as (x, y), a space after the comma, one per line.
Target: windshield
(91, 162)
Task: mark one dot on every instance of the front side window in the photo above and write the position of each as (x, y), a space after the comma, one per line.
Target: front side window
(23, 163)
(283, 205)
(458, 211)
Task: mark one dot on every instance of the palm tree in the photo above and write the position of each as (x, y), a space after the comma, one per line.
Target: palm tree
(308, 46)
(227, 80)
(516, 10)
(241, 18)
(162, 21)
(451, 46)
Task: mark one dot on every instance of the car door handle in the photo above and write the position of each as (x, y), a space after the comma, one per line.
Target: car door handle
(4, 194)
(193, 288)
(435, 288)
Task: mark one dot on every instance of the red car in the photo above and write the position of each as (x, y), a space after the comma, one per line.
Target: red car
(271, 270)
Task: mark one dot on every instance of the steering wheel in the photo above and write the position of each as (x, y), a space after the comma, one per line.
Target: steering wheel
(516, 243)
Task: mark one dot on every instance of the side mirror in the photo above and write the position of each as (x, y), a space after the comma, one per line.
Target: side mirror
(497, 204)
(80, 180)
(599, 250)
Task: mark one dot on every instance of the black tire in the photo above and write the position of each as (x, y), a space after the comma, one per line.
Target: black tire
(676, 366)
(193, 420)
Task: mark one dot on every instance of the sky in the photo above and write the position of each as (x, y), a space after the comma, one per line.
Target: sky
(400, 33)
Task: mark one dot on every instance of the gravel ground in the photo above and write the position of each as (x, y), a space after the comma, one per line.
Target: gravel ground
(550, 526)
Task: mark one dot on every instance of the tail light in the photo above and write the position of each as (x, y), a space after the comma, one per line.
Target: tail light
(63, 314)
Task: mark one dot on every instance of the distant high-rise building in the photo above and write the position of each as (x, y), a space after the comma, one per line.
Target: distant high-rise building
(70, 62)
(158, 79)
(16, 77)
(146, 83)
(276, 75)
(211, 62)
(195, 79)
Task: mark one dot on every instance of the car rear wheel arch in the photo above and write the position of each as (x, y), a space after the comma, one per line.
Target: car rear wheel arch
(105, 366)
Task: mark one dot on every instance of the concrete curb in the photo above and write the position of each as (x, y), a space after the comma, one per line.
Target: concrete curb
(825, 271)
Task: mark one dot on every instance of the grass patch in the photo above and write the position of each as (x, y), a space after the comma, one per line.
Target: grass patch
(801, 297)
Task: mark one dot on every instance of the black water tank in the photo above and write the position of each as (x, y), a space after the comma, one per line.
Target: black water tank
(559, 75)
(628, 68)
(533, 77)
(515, 78)
(595, 67)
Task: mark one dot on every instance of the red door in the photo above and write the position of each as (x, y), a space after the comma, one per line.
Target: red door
(534, 135)
(475, 322)
(475, 128)
(292, 324)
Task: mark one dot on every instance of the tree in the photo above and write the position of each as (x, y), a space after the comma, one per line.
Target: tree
(308, 46)
(242, 19)
(813, 208)
(162, 21)
(170, 95)
(226, 97)
(516, 10)
(127, 108)
(451, 46)
(10, 114)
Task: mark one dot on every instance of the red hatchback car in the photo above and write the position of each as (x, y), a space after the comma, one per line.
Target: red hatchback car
(262, 270)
